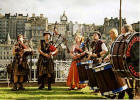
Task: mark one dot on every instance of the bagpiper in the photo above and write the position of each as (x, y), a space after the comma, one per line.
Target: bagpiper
(45, 65)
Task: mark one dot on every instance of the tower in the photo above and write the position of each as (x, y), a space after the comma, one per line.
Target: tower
(63, 18)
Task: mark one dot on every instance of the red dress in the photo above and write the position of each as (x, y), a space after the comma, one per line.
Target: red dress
(73, 76)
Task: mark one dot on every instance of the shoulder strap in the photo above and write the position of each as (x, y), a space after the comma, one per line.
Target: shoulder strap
(42, 43)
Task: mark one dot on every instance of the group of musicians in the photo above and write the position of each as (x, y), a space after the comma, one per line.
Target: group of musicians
(19, 69)
(101, 53)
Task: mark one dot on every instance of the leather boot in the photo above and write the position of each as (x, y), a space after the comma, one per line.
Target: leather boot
(49, 84)
(42, 86)
(14, 87)
(21, 87)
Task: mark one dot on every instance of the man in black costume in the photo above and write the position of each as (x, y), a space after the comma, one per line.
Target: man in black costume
(45, 62)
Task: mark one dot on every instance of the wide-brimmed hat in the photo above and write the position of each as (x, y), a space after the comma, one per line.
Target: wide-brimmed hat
(46, 32)
(97, 32)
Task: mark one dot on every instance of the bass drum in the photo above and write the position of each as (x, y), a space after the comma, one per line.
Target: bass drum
(109, 82)
(125, 55)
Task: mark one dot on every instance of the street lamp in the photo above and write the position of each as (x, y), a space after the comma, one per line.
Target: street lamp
(120, 15)
(0, 9)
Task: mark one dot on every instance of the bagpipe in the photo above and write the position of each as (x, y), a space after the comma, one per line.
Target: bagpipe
(22, 50)
(56, 40)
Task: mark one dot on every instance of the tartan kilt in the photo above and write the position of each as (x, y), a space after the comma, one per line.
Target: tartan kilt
(45, 68)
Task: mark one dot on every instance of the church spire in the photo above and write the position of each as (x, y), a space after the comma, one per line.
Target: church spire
(8, 40)
(64, 13)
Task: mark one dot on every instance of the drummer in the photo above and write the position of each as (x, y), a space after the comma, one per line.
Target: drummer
(113, 35)
(98, 48)
(127, 29)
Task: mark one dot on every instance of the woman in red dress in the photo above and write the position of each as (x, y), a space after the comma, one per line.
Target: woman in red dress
(76, 52)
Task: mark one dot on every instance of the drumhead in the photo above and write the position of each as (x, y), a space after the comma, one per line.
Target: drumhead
(125, 55)
(103, 66)
(132, 54)
(84, 63)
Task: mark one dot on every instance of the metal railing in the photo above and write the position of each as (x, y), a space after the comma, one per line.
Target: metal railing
(61, 71)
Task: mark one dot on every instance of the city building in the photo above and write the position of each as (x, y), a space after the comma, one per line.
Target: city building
(12, 25)
(112, 23)
(6, 54)
(136, 26)
(35, 26)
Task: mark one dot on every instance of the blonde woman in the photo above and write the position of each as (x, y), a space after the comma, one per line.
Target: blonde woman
(76, 53)
(113, 35)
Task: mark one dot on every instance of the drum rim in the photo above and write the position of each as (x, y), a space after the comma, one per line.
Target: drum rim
(94, 88)
(103, 64)
(102, 68)
(114, 43)
(83, 82)
(86, 62)
(128, 41)
(116, 90)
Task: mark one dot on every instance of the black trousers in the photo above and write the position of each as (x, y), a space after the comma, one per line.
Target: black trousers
(43, 80)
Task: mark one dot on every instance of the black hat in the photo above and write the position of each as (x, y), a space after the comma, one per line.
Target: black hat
(97, 32)
(46, 32)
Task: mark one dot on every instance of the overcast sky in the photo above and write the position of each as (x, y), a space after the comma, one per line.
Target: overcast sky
(83, 11)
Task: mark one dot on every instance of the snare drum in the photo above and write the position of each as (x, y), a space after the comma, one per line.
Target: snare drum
(90, 74)
(91, 77)
(109, 82)
(83, 78)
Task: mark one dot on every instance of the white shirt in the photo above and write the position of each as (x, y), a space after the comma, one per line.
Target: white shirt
(104, 48)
